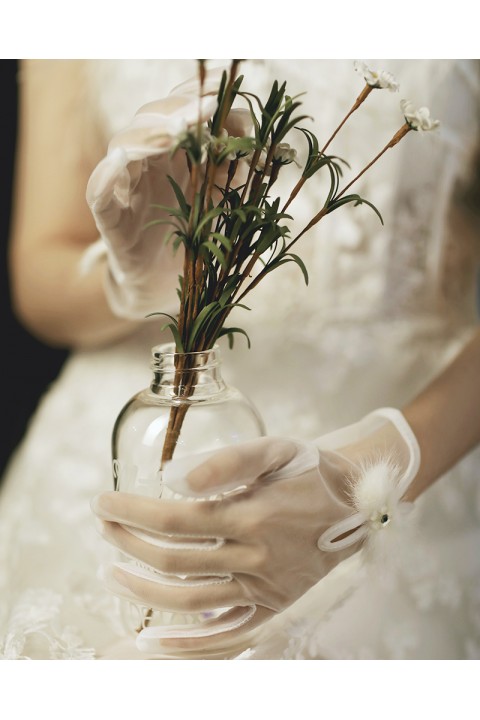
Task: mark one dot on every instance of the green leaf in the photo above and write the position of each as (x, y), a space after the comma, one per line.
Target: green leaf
(176, 336)
(235, 305)
(230, 332)
(184, 206)
(298, 260)
(223, 239)
(313, 148)
(284, 127)
(200, 320)
(256, 124)
(152, 223)
(333, 184)
(163, 314)
(175, 212)
(240, 213)
(357, 200)
(209, 246)
(268, 236)
(208, 217)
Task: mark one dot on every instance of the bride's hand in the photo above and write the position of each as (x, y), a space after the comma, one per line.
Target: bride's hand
(293, 517)
(129, 186)
(266, 556)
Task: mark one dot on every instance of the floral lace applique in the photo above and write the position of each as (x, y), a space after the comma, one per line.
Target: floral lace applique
(33, 624)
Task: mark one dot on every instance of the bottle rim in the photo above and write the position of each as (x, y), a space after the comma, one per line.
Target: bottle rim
(164, 355)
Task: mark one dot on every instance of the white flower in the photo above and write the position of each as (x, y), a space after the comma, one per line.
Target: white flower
(285, 153)
(381, 80)
(418, 119)
(219, 144)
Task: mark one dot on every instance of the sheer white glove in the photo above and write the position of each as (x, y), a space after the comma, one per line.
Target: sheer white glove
(142, 271)
(289, 514)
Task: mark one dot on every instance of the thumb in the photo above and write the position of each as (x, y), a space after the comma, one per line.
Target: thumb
(239, 122)
(228, 469)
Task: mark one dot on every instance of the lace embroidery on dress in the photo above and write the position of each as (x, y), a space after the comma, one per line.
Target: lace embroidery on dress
(33, 629)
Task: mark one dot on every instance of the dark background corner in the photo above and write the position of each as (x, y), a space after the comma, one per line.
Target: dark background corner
(28, 366)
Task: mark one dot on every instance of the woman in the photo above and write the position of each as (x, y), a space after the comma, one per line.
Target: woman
(385, 311)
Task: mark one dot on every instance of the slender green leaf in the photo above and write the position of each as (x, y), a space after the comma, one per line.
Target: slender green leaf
(164, 314)
(209, 246)
(223, 239)
(298, 260)
(201, 318)
(230, 332)
(357, 200)
(208, 217)
(184, 206)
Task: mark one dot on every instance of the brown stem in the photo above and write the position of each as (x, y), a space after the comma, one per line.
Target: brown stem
(175, 422)
(253, 164)
(324, 211)
(184, 383)
(146, 620)
(360, 99)
(396, 139)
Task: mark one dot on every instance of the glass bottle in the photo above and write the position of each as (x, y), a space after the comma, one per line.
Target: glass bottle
(187, 409)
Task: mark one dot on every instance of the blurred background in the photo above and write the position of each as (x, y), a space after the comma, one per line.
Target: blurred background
(27, 365)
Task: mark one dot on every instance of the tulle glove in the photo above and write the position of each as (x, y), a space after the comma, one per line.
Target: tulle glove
(288, 514)
(142, 272)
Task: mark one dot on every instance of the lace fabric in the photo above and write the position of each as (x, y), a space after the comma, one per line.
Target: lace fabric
(385, 309)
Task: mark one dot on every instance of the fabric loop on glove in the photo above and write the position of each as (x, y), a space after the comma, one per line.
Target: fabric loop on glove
(379, 476)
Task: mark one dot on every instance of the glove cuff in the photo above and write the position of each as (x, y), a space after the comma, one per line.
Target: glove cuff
(378, 486)
(123, 300)
(92, 256)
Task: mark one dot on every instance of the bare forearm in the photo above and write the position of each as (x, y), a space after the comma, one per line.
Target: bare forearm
(445, 417)
(62, 306)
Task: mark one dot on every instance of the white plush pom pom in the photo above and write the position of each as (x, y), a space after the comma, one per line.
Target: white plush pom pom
(375, 492)
(376, 497)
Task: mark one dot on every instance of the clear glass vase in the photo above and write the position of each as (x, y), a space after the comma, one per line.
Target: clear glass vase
(187, 409)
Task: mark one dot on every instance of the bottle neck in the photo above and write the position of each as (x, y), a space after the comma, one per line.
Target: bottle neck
(186, 376)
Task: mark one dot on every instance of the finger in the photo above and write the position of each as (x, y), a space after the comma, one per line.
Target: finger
(226, 635)
(153, 590)
(192, 85)
(229, 468)
(169, 517)
(143, 572)
(219, 559)
(173, 114)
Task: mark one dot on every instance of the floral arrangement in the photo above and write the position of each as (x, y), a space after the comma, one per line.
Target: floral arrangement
(233, 229)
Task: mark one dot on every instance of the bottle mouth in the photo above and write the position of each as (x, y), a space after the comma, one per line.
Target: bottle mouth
(164, 356)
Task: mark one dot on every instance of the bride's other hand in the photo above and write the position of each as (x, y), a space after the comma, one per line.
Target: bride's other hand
(129, 193)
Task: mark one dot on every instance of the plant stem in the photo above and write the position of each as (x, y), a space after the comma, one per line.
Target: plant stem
(360, 99)
(396, 139)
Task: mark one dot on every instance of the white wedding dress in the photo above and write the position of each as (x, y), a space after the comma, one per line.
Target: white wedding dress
(385, 310)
